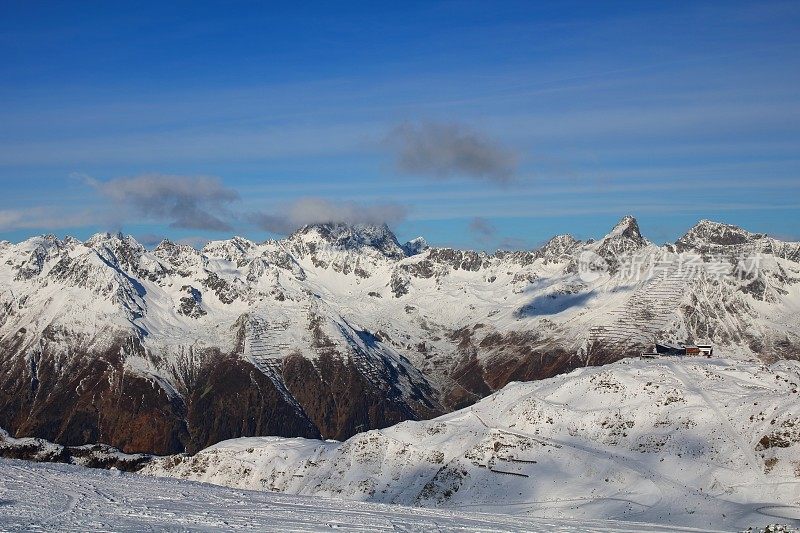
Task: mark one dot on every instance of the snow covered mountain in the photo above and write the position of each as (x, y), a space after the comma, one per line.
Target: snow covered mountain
(694, 443)
(338, 329)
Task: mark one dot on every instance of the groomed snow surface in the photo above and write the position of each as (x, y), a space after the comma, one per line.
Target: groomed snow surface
(56, 497)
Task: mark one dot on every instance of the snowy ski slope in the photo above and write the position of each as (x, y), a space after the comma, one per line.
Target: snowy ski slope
(65, 498)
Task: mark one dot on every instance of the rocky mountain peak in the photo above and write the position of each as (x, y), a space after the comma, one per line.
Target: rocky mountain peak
(165, 244)
(97, 238)
(45, 242)
(113, 239)
(34, 253)
(167, 248)
(624, 238)
(70, 241)
(415, 246)
(707, 233)
(558, 246)
(627, 228)
(351, 237)
(235, 247)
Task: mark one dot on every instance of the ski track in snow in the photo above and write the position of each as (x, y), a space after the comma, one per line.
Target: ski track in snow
(734, 435)
(85, 499)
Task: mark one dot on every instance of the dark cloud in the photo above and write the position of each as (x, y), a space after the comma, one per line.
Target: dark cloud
(191, 202)
(482, 229)
(450, 150)
(319, 210)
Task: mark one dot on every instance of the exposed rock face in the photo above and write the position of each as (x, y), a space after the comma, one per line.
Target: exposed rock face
(458, 259)
(345, 237)
(623, 240)
(191, 304)
(512, 356)
(337, 329)
(724, 239)
(558, 247)
(98, 397)
(415, 246)
(341, 401)
(90, 455)
(231, 398)
(707, 235)
(87, 398)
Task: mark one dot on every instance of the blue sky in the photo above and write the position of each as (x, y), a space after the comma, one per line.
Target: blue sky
(476, 124)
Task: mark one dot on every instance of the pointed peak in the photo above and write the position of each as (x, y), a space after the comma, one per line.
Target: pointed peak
(624, 238)
(626, 230)
(242, 242)
(627, 227)
(69, 240)
(563, 239)
(165, 244)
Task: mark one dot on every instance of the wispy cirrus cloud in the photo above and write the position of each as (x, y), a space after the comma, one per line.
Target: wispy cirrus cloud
(450, 150)
(49, 217)
(11, 219)
(319, 210)
(188, 202)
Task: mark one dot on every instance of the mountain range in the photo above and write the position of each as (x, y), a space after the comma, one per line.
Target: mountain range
(338, 329)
